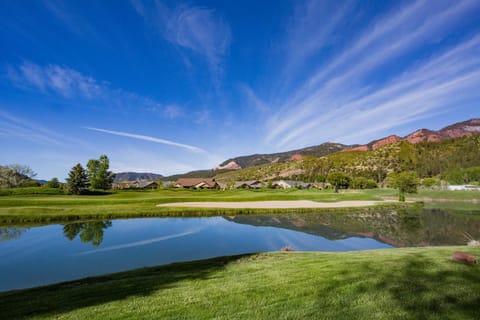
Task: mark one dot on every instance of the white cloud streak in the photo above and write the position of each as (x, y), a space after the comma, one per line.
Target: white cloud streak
(345, 94)
(71, 84)
(142, 243)
(13, 126)
(148, 138)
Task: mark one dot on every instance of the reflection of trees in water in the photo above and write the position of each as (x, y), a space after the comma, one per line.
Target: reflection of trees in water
(400, 228)
(91, 231)
(11, 233)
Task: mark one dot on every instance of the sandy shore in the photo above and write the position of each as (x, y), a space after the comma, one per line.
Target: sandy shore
(273, 204)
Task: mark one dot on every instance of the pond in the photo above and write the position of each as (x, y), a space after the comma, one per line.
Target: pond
(33, 256)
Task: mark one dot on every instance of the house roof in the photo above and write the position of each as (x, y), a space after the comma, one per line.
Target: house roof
(248, 183)
(192, 182)
(143, 184)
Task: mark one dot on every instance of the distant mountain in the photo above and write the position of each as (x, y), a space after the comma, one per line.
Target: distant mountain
(132, 176)
(259, 159)
(457, 130)
(195, 174)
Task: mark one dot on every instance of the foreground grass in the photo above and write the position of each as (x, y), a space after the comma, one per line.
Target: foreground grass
(420, 283)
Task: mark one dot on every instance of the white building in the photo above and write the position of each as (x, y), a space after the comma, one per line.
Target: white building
(463, 187)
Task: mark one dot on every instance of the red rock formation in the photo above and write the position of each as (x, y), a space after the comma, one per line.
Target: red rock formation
(418, 136)
(466, 128)
(385, 141)
(359, 148)
(296, 157)
(232, 165)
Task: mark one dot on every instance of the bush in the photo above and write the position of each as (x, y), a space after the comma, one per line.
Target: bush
(430, 182)
(363, 183)
(30, 191)
(339, 180)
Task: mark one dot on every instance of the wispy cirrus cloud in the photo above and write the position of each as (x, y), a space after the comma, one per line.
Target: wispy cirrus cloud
(314, 26)
(347, 92)
(149, 138)
(253, 99)
(198, 29)
(72, 84)
(75, 23)
(14, 126)
(56, 79)
(143, 242)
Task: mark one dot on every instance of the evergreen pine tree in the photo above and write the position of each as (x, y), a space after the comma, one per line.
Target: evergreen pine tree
(77, 179)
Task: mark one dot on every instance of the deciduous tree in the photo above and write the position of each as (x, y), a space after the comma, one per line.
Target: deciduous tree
(53, 183)
(405, 182)
(98, 174)
(339, 180)
(15, 175)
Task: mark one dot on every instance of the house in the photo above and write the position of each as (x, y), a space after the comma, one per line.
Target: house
(147, 185)
(196, 183)
(287, 184)
(251, 184)
(321, 185)
(137, 184)
(125, 185)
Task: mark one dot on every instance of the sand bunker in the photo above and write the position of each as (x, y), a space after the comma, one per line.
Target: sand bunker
(272, 204)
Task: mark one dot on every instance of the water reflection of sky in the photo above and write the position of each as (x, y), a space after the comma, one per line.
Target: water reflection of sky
(45, 255)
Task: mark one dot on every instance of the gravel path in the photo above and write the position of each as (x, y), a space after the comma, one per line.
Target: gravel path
(273, 204)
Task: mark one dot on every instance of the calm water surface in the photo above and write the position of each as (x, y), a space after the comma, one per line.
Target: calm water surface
(48, 254)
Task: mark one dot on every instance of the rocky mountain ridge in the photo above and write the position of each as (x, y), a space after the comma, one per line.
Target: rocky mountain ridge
(457, 130)
(259, 159)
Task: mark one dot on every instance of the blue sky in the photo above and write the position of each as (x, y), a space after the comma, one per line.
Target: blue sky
(171, 86)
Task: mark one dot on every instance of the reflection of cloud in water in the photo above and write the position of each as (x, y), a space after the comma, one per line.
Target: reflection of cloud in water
(283, 238)
(130, 225)
(143, 242)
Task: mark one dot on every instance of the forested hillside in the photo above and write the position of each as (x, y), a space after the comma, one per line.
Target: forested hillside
(428, 159)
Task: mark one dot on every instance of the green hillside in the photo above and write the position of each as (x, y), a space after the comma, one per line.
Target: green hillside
(428, 159)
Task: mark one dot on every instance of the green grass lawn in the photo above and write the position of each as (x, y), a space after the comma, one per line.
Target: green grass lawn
(38, 207)
(419, 283)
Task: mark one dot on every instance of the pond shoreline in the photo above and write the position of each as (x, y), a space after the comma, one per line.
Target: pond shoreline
(171, 211)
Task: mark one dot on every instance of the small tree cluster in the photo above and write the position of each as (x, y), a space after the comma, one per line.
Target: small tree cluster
(53, 183)
(461, 176)
(97, 176)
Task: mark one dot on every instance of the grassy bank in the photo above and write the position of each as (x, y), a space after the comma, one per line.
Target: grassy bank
(419, 283)
(38, 208)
